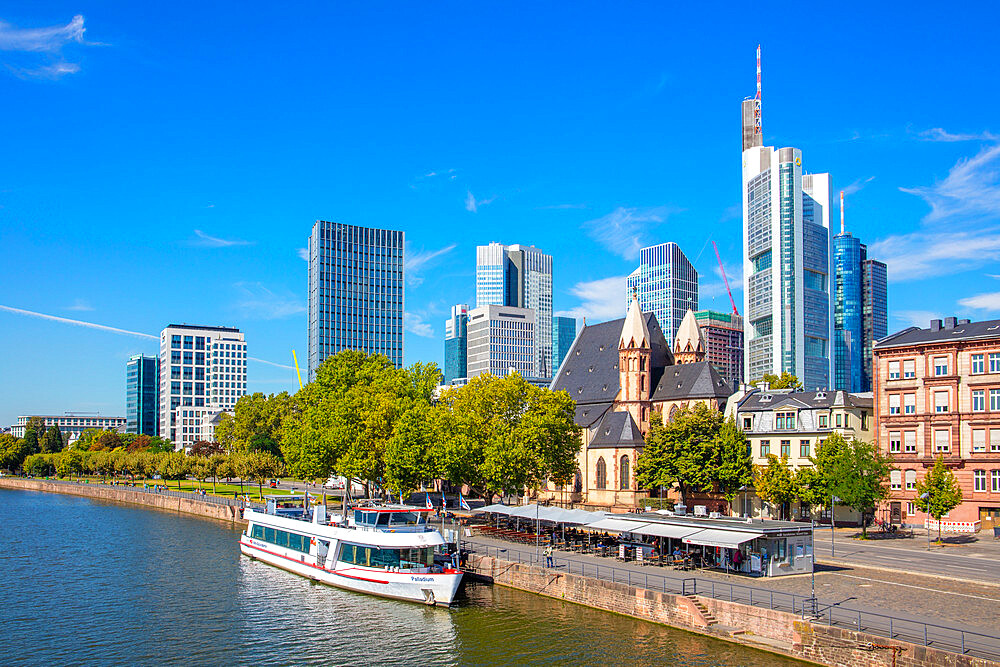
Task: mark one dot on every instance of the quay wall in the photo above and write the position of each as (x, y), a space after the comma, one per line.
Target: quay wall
(765, 629)
(209, 510)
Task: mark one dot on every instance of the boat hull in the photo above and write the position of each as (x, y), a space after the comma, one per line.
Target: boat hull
(429, 588)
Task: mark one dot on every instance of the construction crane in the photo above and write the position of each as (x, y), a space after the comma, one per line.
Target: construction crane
(299, 373)
(726, 280)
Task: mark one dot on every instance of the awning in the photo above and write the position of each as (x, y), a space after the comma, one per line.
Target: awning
(730, 539)
(495, 509)
(666, 530)
(616, 525)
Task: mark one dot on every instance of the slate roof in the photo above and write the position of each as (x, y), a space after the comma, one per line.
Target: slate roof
(617, 429)
(950, 331)
(689, 381)
(588, 413)
(761, 400)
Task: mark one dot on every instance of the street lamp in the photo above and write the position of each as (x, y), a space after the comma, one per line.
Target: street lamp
(926, 497)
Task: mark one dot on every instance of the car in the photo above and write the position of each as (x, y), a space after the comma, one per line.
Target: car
(273, 484)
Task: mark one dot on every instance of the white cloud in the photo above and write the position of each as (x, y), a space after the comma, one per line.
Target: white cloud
(50, 41)
(303, 253)
(258, 302)
(971, 190)
(988, 301)
(625, 231)
(472, 204)
(927, 254)
(601, 300)
(857, 185)
(417, 261)
(206, 241)
(940, 134)
(78, 323)
(415, 324)
(80, 304)
(916, 318)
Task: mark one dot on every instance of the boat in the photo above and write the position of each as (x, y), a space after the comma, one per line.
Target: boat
(381, 549)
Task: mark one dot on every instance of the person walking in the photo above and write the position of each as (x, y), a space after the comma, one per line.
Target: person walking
(548, 556)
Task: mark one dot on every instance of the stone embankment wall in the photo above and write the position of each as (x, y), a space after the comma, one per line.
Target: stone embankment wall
(765, 629)
(119, 494)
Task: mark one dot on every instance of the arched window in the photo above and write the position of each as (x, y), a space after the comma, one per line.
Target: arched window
(578, 482)
(602, 474)
(673, 411)
(625, 477)
(642, 383)
(642, 363)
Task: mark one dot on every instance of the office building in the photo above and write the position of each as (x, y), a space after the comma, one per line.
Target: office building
(723, 334)
(519, 276)
(501, 341)
(72, 423)
(456, 342)
(202, 370)
(937, 394)
(142, 395)
(666, 284)
(355, 292)
(875, 313)
(563, 335)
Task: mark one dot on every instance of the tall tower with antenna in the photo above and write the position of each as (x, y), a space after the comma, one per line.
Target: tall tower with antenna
(752, 135)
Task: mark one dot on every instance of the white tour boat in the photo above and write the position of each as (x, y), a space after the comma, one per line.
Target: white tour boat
(385, 550)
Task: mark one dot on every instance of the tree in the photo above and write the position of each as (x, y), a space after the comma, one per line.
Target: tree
(254, 415)
(775, 482)
(12, 452)
(36, 424)
(733, 463)
(204, 448)
(52, 441)
(853, 470)
(138, 444)
(199, 469)
(216, 465)
(260, 467)
(173, 465)
(31, 442)
(682, 452)
(69, 463)
(408, 458)
(39, 465)
(424, 377)
(785, 381)
(938, 493)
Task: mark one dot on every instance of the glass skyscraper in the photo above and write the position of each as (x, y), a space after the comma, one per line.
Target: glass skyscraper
(521, 277)
(848, 333)
(563, 335)
(142, 395)
(875, 314)
(456, 341)
(667, 285)
(355, 292)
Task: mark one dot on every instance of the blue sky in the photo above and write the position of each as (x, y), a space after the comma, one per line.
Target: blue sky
(166, 166)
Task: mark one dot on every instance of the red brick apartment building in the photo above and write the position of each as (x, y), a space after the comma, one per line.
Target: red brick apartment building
(937, 392)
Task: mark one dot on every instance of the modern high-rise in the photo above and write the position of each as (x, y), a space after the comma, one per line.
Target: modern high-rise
(355, 292)
(456, 342)
(723, 334)
(519, 276)
(142, 395)
(203, 370)
(563, 335)
(501, 341)
(875, 313)
(666, 284)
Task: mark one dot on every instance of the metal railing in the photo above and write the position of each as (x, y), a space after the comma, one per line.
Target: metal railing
(942, 637)
(161, 490)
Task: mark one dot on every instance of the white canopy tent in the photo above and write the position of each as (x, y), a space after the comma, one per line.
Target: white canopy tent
(713, 537)
(616, 525)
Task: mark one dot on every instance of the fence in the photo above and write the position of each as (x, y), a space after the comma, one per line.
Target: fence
(160, 490)
(884, 625)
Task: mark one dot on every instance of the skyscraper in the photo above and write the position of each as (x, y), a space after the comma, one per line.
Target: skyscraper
(355, 292)
(666, 284)
(723, 334)
(501, 341)
(875, 318)
(456, 342)
(563, 335)
(203, 371)
(519, 276)
(142, 400)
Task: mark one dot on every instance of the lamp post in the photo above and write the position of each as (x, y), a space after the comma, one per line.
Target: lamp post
(926, 497)
(812, 567)
(833, 522)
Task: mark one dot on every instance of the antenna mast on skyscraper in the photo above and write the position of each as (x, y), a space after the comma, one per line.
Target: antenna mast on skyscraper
(841, 211)
(756, 102)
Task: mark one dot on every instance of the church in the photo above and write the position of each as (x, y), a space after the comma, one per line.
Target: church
(619, 373)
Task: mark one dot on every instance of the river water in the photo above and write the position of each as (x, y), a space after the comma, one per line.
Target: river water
(88, 582)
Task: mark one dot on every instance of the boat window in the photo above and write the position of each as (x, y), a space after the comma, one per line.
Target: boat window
(374, 557)
(403, 518)
(281, 538)
(383, 519)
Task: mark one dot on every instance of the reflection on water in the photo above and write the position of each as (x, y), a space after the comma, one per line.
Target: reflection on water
(99, 583)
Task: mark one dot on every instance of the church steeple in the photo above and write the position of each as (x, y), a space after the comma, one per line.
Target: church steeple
(689, 346)
(635, 366)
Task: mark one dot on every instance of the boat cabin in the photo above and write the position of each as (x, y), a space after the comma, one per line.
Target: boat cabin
(390, 518)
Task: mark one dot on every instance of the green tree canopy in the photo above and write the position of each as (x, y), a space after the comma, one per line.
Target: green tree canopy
(682, 452)
(254, 415)
(784, 381)
(938, 492)
(733, 466)
(775, 482)
(854, 471)
(31, 445)
(52, 441)
(12, 452)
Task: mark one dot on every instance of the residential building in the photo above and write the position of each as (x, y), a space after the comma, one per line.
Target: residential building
(501, 341)
(520, 276)
(792, 424)
(203, 370)
(563, 335)
(938, 395)
(666, 283)
(72, 423)
(355, 292)
(456, 341)
(142, 395)
(619, 373)
(723, 343)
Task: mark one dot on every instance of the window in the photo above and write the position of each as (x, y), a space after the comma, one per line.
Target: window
(624, 474)
(804, 449)
(894, 402)
(839, 419)
(765, 448)
(893, 370)
(942, 441)
(602, 474)
(994, 362)
(188, 342)
(979, 440)
(895, 444)
(940, 401)
(995, 481)
(895, 480)
(175, 342)
(978, 400)
(909, 404)
(911, 480)
(786, 448)
(747, 423)
(823, 421)
(978, 366)
(175, 387)
(979, 480)
(911, 509)
(785, 420)
(995, 439)
(909, 368)
(910, 442)
(994, 399)
(940, 365)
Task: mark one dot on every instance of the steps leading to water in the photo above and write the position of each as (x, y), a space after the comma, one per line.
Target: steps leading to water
(706, 616)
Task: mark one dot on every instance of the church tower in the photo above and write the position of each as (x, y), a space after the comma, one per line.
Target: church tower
(689, 345)
(635, 367)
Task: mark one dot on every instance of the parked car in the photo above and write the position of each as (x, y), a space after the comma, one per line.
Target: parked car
(273, 484)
